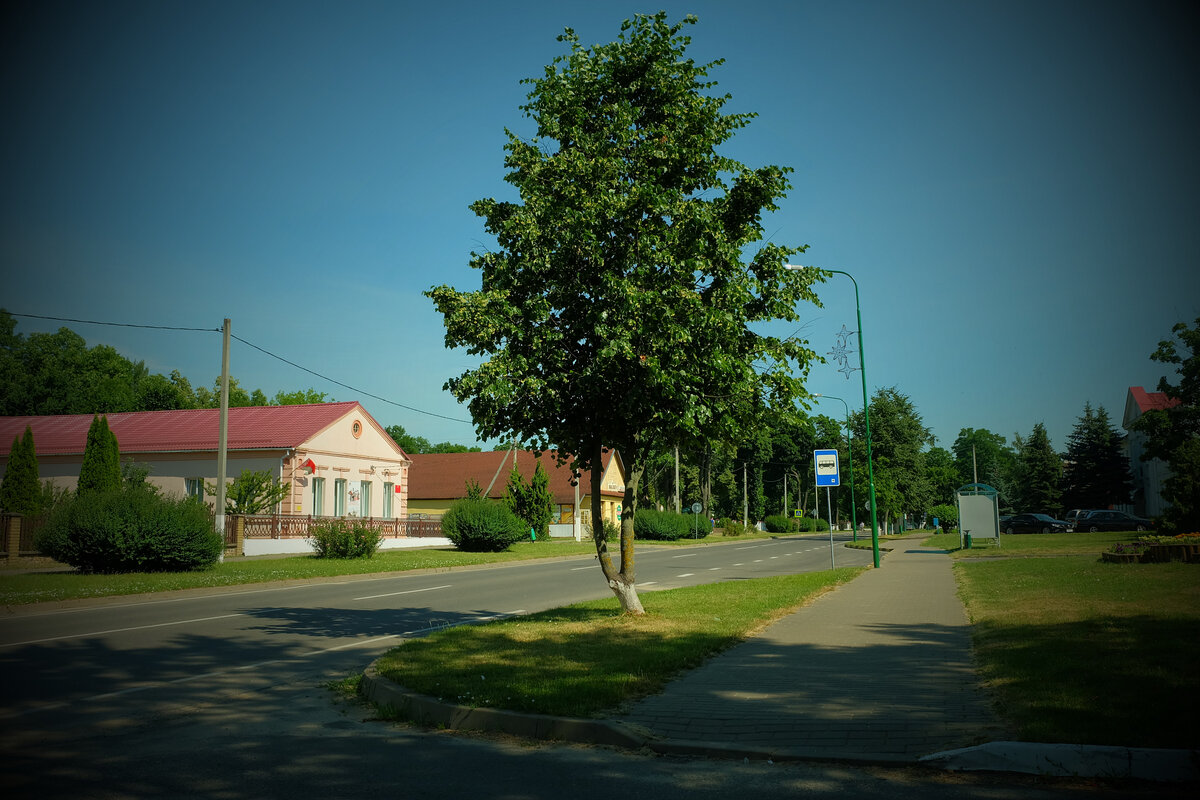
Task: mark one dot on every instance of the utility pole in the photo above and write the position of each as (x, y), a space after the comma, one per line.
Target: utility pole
(678, 507)
(223, 437)
(745, 498)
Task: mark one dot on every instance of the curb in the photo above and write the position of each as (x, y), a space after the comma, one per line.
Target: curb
(1062, 760)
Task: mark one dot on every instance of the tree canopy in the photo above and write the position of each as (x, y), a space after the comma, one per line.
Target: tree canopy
(1095, 469)
(616, 309)
(1173, 434)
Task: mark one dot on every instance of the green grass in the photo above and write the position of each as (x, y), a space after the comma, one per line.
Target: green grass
(587, 659)
(1032, 544)
(21, 589)
(18, 589)
(1076, 650)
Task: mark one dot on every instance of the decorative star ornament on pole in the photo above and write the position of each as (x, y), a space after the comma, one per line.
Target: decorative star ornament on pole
(841, 352)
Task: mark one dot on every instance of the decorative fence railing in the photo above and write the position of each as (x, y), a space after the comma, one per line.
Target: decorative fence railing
(272, 526)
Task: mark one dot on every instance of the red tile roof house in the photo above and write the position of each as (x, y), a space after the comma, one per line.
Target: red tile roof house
(438, 479)
(337, 458)
(1148, 476)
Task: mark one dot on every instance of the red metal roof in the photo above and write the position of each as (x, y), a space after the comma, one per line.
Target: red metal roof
(1150, 401)
(444, 476)
(250, 428)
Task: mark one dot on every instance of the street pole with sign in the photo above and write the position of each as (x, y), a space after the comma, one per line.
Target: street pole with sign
(828, 475)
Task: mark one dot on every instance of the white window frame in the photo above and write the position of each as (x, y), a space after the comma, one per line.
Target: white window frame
(389, 489)
(195, 488)
(318, 497)
(339, 497)
(364, 499)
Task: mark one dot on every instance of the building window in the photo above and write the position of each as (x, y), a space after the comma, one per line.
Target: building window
(389, 489)
(365, 499)
(339, 497)
(318, 497)
(195, 488)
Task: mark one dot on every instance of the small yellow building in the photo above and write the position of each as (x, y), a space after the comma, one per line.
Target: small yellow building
(438, 479)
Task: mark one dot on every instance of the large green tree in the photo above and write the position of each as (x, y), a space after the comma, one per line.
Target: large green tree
(20, 491)
(100, 470)
(1173, 434)
(616, 309)
(898, 435)
(1038, 474)
(1095, 470)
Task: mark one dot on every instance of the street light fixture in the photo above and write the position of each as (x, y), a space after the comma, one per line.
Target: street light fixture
(862, 367)
(850, 450)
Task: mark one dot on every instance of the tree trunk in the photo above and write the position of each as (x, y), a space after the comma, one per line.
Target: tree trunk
(620, 581)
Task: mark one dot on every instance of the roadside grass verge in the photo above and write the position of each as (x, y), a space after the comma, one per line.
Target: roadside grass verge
(25, 588)
(589, 658)
(1079, 651)
(41, 587)
(1033, 544)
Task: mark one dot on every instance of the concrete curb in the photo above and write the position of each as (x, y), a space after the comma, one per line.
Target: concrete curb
(426, 710)
(1064, 760)
(1073, 760)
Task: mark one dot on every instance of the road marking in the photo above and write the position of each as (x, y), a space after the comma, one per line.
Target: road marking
(687, 555)
(740, 564)
(685, 575)
(118, 630)
(577, 569)
(647, 583)
(408, 591)
(713, 569)
(758, 561)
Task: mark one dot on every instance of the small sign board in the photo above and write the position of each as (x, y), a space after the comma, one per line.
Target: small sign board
(827, 467)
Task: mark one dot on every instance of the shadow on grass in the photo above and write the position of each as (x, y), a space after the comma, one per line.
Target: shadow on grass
(1112, 680)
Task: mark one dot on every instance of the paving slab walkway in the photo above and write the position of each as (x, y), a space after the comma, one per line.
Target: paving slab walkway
(879, 669)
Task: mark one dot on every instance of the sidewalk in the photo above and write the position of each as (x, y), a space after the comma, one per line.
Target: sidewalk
(879, 670)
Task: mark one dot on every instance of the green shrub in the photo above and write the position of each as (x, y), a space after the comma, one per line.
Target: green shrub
(664, 526)
(733, 527)
(482, 526)
(947, 516)
(131, 529)
(612, 532)
(778, 523)
(344, 539)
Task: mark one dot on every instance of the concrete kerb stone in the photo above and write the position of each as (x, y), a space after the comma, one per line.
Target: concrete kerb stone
(429, 711)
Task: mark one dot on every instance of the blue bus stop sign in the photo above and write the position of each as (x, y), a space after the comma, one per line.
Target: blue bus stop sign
(827, 467)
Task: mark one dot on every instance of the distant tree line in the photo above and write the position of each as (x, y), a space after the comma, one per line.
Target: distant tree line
(57, 373)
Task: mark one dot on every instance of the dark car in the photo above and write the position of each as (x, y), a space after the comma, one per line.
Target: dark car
(1034, 523)
(1111, 521)
(1072, 516)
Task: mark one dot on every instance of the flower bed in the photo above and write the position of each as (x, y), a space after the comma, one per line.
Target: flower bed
(1156, 550)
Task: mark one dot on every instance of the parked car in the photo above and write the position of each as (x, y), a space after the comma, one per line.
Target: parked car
(1111, 521)
(1034, 523)
(1071, 516)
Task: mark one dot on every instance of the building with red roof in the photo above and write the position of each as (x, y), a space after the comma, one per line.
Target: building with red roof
(1148, 476)
(338, 460)
(438, 479)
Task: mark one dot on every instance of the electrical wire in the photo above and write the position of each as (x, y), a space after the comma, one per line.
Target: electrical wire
(248, 344)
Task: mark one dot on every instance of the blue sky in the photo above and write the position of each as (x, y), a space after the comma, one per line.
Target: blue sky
(1012, 184)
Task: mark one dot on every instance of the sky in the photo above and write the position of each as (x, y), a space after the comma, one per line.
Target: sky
(1012, 186)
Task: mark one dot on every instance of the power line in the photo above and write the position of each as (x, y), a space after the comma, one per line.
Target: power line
(115, 324)
(248, 344)
(345, 385)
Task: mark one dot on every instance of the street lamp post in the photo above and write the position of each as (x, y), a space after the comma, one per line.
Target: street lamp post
(862, 367)
(850, 450)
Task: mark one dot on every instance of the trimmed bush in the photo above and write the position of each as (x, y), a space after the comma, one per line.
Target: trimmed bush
(131, 529)
(733, 527)
(611, 531)
(778, 523)
(342, 539)
(664, 526)
(482, 526)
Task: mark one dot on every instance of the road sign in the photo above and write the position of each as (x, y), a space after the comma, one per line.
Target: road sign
(827, 467)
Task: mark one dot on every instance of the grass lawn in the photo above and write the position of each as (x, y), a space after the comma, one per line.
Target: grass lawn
(22, 588)
(1033, 544)
(587, 659)
(1076, 650)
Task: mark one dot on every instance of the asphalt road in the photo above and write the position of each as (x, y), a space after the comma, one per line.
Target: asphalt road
(222, 693)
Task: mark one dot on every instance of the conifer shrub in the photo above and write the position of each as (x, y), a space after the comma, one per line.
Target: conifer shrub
(482, 526)
(131, 529)
(663, 526)
(344, 539)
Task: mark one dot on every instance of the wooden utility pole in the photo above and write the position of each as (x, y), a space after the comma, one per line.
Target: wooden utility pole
(223, 438)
